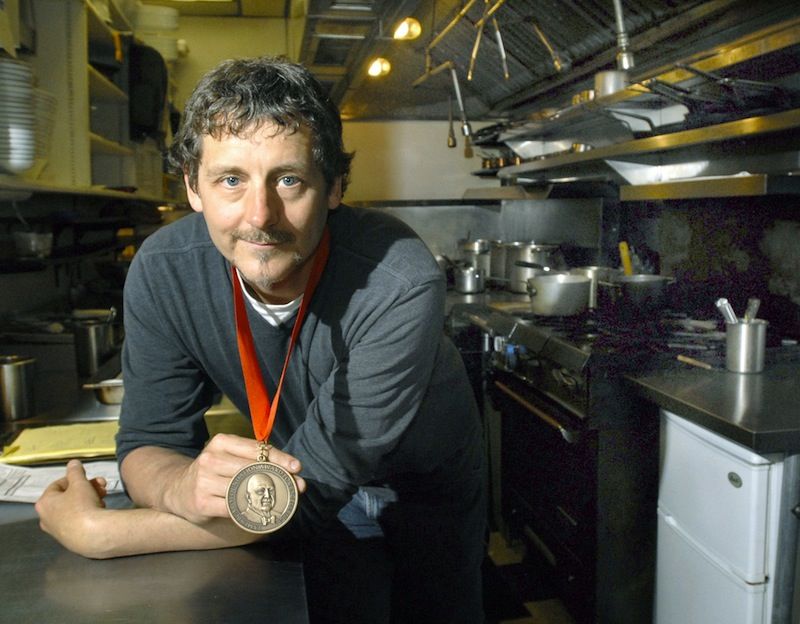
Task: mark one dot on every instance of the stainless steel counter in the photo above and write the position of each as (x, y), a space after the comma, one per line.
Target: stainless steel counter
(760, 411)
(43, 582)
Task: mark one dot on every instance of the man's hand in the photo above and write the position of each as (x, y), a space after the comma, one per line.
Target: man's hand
(195, 489)
(67, 509)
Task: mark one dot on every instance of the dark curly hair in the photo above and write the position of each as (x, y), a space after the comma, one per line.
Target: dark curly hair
(241, 94)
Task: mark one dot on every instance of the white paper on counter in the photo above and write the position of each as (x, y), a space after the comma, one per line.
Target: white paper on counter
(25, 484)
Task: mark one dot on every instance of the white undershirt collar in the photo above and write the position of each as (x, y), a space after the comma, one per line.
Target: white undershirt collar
(274, 314)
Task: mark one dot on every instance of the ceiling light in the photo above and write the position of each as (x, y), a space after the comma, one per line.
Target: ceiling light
(408, 29)
(379, 67)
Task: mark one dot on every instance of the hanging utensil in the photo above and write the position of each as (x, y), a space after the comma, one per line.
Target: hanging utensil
(477, 43)
(501, 48)
(466, 129)
(451, 134)
(558, 63)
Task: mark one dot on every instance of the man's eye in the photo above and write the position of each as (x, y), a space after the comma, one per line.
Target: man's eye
(230, 181)
(289, 180)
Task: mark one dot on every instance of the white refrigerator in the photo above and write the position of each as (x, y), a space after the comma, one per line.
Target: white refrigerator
(719, 514)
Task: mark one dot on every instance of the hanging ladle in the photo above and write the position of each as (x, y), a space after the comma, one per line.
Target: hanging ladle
(451, 134)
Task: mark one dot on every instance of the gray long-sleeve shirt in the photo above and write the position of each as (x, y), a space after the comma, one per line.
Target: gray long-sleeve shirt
(374, 391)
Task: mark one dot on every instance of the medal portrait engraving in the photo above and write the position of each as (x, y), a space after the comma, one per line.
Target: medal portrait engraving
(262, 497)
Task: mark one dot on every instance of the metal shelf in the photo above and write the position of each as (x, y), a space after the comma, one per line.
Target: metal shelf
(764, 144)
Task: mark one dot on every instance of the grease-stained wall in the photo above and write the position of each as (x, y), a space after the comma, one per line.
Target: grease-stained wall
(733, 247)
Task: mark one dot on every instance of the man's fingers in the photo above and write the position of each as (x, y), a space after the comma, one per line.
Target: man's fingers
(75, 470)
(289, 462)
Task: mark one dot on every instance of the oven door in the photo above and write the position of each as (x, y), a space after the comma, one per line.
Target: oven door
(549, 485)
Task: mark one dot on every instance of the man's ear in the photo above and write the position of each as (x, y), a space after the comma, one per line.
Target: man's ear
(335, 194)
(194, 199)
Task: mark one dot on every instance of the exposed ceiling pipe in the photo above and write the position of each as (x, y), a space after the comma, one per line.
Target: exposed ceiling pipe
(624, 56)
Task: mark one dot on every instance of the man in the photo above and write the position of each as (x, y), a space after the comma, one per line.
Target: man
(260, 497)
(376, 420)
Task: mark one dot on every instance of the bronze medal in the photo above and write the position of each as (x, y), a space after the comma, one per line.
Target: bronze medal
(262, 497)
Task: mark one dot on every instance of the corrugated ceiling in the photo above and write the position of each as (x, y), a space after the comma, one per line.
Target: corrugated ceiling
(342, 36)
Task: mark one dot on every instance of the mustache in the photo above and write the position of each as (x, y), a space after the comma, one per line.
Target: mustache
(270, 237)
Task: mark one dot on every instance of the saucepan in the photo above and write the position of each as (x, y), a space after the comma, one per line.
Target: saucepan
(640, 292)
(524, 260)
(559, 294)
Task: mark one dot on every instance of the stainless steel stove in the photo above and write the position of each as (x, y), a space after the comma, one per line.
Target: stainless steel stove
(578, 454)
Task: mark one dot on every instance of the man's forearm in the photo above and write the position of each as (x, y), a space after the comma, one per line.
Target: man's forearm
(123, 532)
(150, 473)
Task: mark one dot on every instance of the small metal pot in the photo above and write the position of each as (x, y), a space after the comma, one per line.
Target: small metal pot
(468, 280)
(559, 294)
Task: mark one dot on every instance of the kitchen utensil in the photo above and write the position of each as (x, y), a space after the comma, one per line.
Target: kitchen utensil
(17, 375)
(469, 279)
(724, 306)
(451, 133)
(559, 294)
(108, 391)
(596, 274)
(542, 256)
(476, 253)
(751, 311)
(642, 293)
(93, 343)
(693, 362)
(497, 260)
(608, 82)
(625, 257)
(745, 345)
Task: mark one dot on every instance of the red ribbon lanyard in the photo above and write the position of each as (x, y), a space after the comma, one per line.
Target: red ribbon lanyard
(262, 412)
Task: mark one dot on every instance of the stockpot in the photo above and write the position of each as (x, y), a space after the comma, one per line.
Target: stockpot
(497, 260)
(476, 254)
(469, 279)
(597, 274)
(548, 257)
(558, 294)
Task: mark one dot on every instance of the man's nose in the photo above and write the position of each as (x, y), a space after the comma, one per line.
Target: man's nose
(263, 207)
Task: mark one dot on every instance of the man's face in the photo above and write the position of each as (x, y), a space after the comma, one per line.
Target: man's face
(265, 203)
(261, 492)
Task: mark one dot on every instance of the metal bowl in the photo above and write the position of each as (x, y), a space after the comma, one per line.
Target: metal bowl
(108, 391)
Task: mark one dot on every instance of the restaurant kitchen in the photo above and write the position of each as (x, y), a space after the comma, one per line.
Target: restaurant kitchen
(500, 122)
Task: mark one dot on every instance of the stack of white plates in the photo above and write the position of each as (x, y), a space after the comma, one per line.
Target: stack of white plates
(17, 116)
